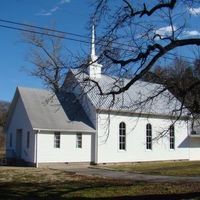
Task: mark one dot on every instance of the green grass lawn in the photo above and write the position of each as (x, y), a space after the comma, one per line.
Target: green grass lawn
(31, 183)
(186, 168)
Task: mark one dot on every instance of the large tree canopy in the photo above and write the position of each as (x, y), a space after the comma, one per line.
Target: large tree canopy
(138, 33)
(134, 37)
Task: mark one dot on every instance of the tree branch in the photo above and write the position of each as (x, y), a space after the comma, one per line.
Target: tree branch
(163, 51)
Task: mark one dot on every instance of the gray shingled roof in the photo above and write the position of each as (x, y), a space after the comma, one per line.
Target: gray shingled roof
(133, 100)
(45, 111)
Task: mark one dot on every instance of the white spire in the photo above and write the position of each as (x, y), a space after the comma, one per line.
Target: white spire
(93, 54)
(94, 69)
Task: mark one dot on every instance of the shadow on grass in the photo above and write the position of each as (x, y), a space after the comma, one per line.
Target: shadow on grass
(53, 191)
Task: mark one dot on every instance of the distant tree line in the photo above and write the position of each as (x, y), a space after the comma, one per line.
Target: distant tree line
(4, 106)
(182, 78)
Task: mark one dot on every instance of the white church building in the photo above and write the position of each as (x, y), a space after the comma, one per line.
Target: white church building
(80, 125)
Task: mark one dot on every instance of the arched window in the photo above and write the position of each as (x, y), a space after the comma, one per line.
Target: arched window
(171, 137)
(148, 136)
(122, 136)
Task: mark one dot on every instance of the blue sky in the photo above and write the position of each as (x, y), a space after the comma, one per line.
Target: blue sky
(69, 15)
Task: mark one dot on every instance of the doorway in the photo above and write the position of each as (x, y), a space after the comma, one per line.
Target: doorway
(18, 149)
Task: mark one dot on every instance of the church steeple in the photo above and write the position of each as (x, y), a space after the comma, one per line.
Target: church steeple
(94, 68)
(93, 54)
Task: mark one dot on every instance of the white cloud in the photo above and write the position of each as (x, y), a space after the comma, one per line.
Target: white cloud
(64, 1)
(191, 33)
(44, 13)
(165, 31)
(48, 12)
(194, 11)
(54, 9)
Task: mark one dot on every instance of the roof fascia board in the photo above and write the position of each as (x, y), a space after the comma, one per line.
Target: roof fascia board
(146, 115)
(63, 130)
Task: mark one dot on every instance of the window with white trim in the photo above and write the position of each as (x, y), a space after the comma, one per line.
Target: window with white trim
(122, 136)
(171, 137)
(57, 140)
(79, 140)
(148, 136)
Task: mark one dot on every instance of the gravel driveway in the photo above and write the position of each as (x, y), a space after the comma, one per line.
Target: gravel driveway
(114, 174)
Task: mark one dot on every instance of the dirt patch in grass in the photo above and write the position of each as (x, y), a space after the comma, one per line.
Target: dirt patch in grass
(32, 183)
(178, 168)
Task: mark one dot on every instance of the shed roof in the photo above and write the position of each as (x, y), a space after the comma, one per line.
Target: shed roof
(46, 112)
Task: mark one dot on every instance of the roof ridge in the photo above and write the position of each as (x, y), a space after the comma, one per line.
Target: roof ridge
(82, 72)
(32, 88)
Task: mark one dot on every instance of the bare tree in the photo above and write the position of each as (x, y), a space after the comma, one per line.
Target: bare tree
(141, 33)
(46, 55)
(4, 106)
(137, 35)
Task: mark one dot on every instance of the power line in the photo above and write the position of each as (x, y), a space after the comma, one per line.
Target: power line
(42, 28)
(41, 33)
(68, 38)
(58, 36)
(58, 31)
(73, 34)
(53, 30)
